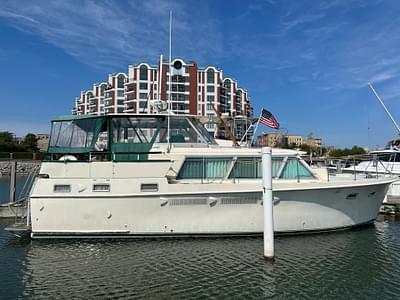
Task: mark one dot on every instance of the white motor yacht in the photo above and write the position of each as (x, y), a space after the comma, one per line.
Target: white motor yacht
(131, 176)
(381, 163)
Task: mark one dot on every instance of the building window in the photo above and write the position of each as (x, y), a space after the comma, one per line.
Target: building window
(102, 88)
(143, 86)
(210, 76)
(142, 96)
(178, 78)
(121, 81)
(227, 84)
(210, 89)
(120, 93)
(143, 73)
(210, 99)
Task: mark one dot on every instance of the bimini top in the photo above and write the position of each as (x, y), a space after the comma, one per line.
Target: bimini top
(123, 135)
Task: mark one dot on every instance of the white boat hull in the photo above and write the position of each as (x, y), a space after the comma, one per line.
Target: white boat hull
(206, 213)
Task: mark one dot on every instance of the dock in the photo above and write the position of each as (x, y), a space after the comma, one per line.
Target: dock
(391, 206)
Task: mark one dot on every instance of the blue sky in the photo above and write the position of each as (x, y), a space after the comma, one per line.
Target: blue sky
(308, 62)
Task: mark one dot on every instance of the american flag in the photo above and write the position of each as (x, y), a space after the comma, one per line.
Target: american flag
(268, 119)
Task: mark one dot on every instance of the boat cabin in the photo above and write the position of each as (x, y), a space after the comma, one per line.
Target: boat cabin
(195, 155)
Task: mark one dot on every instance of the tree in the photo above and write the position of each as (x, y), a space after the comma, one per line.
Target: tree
(6, 137)
(30, 141)
(355, 150)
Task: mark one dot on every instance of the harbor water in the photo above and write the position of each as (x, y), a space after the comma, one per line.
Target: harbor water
(354, 264)
(21, 186)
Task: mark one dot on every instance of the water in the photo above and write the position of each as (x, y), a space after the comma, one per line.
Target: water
(355, 264)
(5, 187)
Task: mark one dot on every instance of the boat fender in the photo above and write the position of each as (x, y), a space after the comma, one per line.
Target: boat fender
(68, 157)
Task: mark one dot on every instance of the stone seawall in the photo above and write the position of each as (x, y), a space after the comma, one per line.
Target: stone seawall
(23, 167)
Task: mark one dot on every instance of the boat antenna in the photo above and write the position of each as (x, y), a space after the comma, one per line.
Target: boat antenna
(384, 107)
(170, 80)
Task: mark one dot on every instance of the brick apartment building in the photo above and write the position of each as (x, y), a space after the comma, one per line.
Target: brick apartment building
(193, 90)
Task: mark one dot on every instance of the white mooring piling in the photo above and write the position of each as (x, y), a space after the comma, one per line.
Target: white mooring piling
(13, 180)
(268, 203)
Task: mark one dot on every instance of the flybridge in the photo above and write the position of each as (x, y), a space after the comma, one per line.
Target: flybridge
(120, 137)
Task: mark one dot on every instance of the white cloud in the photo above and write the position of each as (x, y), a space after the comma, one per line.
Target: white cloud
(106, 34)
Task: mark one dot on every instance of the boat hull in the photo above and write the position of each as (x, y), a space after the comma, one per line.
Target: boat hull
(206, 213)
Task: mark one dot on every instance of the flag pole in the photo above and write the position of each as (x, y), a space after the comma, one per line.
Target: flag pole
(245, 134)
(170, 80)
(255, 130)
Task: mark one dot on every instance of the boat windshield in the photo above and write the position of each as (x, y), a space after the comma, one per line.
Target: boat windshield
(123, 133)
(75, 136)
(154, 130)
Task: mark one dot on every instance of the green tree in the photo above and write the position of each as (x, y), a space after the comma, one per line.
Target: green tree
(6, 137)
(355, 150)
(30, 141)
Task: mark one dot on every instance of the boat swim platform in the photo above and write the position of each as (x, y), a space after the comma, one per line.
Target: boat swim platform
(7, 212)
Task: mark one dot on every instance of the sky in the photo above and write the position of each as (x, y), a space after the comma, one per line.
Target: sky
(306, 61)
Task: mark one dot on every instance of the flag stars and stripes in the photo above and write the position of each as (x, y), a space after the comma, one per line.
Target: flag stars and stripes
(268, 119)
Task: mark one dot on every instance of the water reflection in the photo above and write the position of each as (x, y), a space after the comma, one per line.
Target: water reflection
(352, 264)
(357, 264)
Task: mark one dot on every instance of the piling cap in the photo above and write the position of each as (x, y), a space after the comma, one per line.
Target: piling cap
(266, 150)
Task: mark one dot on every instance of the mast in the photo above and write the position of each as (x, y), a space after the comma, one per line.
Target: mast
(384, 107)
(160, 79)
(170, 80)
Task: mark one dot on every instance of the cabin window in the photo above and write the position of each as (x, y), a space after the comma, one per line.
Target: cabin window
(251, 168)
(294, 169)
(101, 187)
(62, 188)
(149, 187)
(282, 168)
(200, 168)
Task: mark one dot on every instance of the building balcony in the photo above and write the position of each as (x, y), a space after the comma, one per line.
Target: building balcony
(109, 110)
(130, 108)
(129, 87)
(129, 92)
(108, 103)
(130, 97)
